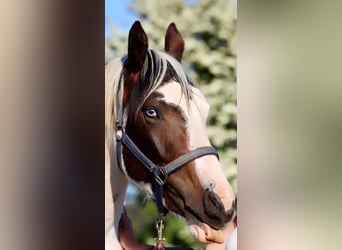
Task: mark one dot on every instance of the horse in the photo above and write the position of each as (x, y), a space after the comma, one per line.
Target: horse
(155, 137)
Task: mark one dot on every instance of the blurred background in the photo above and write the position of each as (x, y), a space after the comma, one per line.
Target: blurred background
(209, 31)
(289, 114)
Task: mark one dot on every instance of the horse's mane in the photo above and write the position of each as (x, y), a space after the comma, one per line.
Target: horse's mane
(158, 66)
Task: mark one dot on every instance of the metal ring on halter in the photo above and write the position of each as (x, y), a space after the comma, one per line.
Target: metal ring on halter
(119, 130)
(160, 176)
(118, 135)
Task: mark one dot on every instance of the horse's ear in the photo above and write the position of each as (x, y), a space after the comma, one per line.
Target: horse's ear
(174, 43)
(137, 48)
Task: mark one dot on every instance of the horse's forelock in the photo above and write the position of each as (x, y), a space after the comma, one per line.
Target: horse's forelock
(159, 68)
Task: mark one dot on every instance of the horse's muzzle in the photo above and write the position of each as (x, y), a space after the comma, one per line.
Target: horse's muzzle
(215, 214)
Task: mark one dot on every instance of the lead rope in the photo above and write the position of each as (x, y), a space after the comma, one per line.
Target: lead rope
(159, 240)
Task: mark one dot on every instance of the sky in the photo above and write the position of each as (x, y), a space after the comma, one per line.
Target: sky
(116, 11)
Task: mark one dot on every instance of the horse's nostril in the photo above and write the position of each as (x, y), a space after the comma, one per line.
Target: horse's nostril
(215, 211)
(212, 204)
(216, 200)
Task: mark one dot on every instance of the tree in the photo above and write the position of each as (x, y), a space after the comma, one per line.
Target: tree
(209, 31)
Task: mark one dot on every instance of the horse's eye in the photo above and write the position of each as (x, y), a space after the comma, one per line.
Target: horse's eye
(151, 113)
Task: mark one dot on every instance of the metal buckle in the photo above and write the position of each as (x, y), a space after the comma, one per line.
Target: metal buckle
(119, 131)
(160, 176)
(118, 125)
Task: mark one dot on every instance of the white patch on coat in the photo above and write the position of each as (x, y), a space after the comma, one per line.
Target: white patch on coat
(208, 167)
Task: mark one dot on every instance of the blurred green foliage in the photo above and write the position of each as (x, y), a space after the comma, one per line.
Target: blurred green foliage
(143, 215)
(209, 31)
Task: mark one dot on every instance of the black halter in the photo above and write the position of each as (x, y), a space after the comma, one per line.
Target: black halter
(160, 173)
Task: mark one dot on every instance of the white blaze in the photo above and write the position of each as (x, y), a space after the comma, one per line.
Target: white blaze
(208, 168)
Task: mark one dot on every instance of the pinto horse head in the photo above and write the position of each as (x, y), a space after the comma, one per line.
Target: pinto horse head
(164, 114)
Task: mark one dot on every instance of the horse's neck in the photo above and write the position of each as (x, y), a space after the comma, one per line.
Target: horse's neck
(115, 190)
